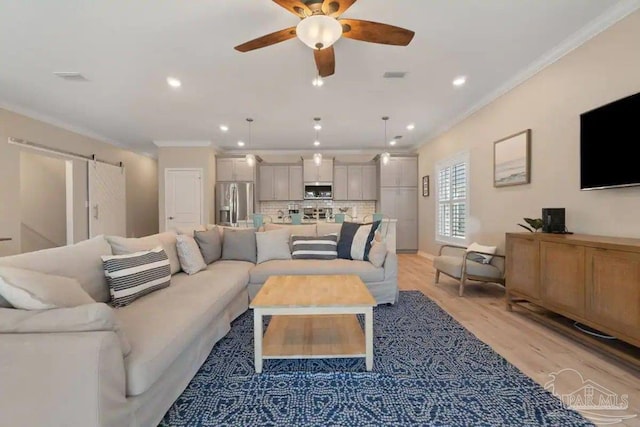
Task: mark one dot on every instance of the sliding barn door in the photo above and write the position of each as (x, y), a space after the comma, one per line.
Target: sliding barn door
(107, 200)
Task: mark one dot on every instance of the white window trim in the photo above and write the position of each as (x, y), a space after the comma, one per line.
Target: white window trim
(465, 157)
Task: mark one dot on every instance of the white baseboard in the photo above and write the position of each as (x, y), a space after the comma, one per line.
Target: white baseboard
(426, 255)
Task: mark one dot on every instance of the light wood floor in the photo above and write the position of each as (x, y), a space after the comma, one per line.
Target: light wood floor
(533, 348)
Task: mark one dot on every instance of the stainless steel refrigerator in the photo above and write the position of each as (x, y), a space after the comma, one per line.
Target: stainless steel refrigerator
(234, 202)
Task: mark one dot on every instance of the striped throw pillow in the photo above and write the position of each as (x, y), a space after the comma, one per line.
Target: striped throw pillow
(134, 275)
(314, 247)
(356, 239)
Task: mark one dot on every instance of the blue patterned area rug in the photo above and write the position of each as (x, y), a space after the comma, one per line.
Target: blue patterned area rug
(428, 371)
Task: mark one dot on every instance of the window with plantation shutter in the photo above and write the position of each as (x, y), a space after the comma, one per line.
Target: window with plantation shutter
(452, 193)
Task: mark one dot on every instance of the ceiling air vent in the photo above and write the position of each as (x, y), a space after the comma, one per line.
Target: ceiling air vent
(71, 76)
(395, 74)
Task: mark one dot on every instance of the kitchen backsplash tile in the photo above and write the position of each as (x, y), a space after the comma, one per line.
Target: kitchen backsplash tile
(357, 209)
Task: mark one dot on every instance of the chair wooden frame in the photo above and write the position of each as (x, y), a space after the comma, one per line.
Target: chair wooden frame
(464, 276)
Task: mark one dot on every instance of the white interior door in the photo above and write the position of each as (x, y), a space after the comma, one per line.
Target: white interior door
(107, 200)
(183, 198)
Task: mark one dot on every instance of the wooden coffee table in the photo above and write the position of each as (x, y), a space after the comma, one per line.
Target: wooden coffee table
(314, 317)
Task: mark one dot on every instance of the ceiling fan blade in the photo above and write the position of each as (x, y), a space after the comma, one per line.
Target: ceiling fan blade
(335, 8)
(296, 7)
(325, 61)
(375, 32)
(268, 40)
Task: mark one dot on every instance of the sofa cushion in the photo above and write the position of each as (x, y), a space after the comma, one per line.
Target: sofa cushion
(168, 241)
(378, 253)
(324, 228)
(315, 247)
(239, 245)
(296, 230)
(273, 244)
(356, 239)
(191, 260)
(367, 271)
(210, 244)
(452, 265)
(80, 261)
(161, 325)
(135, 275)
(32, 290)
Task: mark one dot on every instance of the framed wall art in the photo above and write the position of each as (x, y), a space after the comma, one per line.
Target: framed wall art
(512, 160)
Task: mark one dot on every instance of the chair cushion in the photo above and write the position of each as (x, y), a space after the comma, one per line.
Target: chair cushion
(452, 265)
(161, 325)
(367, 271)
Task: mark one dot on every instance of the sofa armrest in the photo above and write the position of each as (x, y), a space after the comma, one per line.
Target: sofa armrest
(62, 379)
(390, 266)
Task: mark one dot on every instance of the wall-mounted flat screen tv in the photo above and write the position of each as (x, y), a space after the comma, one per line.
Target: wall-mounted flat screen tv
(609, 139)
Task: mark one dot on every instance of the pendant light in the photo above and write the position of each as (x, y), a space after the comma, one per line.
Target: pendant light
(385, 156)
(250, 158)
(317, 157)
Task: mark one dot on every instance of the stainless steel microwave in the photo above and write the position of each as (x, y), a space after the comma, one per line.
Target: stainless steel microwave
(318, 191)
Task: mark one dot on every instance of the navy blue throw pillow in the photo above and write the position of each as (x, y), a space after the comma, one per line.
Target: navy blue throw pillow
(356, 239)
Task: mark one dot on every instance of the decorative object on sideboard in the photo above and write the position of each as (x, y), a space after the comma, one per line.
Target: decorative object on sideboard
(425, 186)
(535, 224)
(512, 160)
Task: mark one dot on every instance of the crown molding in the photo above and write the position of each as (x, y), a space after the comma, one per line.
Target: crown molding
(71, 128)
(181, 144)
(613, 15)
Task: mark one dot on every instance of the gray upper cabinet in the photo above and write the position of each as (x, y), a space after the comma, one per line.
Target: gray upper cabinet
(354, 182)
(280, 183)
(266, 183)
(369, 182)
(296, 184)
(340, 179)
(399, 172)
(235, 169)
(315, 173)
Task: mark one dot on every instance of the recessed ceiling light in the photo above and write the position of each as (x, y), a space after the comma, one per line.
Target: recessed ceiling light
(459, 81)
(173, 82)
(316, 143)
(240, 144)
(393, 142)
(411, 126)
(224, 128)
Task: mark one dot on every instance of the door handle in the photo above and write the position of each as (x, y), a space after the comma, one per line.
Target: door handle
(171, 217)
(96, 211)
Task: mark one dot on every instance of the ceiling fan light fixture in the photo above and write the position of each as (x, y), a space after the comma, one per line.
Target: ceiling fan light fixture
(319, 31)
(318, 82)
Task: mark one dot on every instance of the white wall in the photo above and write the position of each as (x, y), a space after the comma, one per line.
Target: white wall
(142, 183)
(42, 202)
(602, 70)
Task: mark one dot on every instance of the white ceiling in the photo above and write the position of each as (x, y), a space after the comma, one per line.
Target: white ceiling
(127, 49)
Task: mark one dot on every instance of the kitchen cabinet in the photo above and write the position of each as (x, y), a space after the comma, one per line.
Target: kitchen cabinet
(399, 172)
(296, 183)
(399, 199)
(318, 173)
(233, 169)
(354, 182)
(340, 183)
(369, 182)
(280, 183)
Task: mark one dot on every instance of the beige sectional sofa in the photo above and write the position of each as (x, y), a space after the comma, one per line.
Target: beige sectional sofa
(127, 371)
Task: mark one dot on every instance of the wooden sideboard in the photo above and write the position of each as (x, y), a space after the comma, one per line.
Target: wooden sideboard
(593, 280)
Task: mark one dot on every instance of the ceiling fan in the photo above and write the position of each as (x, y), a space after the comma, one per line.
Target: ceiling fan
(321, 26)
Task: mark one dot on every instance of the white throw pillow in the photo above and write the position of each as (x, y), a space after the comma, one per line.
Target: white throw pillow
(378, 253)
(273, 245)
(191, 259)
(130, 245)
(484, 259)
(32, 290)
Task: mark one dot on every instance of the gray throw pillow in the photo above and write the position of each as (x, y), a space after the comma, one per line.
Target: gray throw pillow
(191, 259)
(239, 245)
(210, 244)
(273, 245)
(378, 253)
